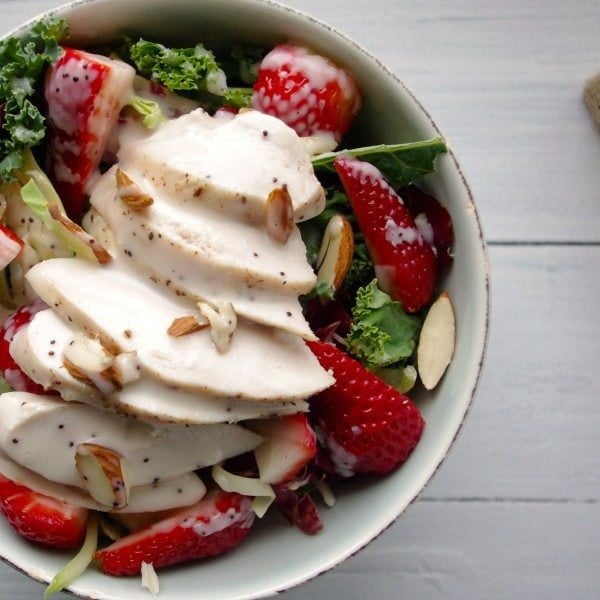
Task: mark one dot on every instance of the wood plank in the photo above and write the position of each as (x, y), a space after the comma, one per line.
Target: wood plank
(534, 429)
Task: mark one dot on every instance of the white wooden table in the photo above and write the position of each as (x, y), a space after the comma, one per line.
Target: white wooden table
(515, 510)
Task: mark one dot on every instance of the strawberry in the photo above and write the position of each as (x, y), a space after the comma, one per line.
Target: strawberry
(306, 91)
(220, 521)
(405, 263)
(289, 444)
(12, 373)
(367, 426)
(433, 220)
(85, 94)
(10, 245)
(42, 519)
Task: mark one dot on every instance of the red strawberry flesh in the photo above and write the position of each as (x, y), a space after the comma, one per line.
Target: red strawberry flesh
(42, 519)
(367, 426)
(405, 263)
(84, 93)
(306, 91)
(12, 373)
(427, 211)
(219, 522)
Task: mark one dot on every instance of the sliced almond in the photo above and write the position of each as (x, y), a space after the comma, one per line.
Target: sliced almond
(185, 325)
(88, 361)
(99, 251)
(126, 367)
(335, 254)
(280, 215)
(223, 322)
(436, 342)
(102, 472)
(130, 193)
(76, 372)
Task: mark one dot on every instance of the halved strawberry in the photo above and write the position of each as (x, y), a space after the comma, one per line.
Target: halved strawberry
(85, 94)
(40, 518)
(366, 425)
(405, 263)
(10, 245)
(220, 521)
(306, 91)
(12, 373)
(433, 220)
(289, 444)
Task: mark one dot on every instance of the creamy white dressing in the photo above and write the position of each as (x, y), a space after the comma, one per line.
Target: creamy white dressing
(39, 346)
(228, 165)
(200, 248)
(208, 256)
(396, 234)
(173, 493)
(42, 433)
(270, 365)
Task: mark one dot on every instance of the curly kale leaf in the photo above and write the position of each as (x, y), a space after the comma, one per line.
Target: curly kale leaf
(186, 70)
(381, 334)
(22, 60)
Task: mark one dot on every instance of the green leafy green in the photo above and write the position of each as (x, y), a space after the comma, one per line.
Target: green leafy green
(336, 203)
(38, 204)
(238, 97)
(321, 291)
(401, 378)
(401, 164)
(22, 61)
(381, 333)
(361, 269)
(4, 386)
(150, 110)
(247, 58)
(186, 69)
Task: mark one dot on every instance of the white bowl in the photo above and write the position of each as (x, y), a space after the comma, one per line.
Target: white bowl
(276, 556)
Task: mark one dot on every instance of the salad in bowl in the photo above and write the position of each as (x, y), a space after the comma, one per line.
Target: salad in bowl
(245, 297)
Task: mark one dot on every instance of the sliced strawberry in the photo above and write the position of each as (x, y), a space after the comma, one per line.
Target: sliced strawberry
(433, 220)
(85, 94)
(40, 518)
(367, 426)
(289, 444)
(12, 373)
(10, 245)
(405, 263)
(306, 91)
(220, 521)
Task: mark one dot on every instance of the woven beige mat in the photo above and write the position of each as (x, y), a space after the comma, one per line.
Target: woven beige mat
(591, 95)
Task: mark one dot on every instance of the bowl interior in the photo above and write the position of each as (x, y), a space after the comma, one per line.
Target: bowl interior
(276, 556)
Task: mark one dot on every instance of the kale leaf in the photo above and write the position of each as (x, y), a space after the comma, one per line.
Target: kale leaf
(381, 334)
(22, 60)
(186, 69)
(400, 164)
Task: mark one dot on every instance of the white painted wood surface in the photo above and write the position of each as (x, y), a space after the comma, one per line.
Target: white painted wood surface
(514, 512)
